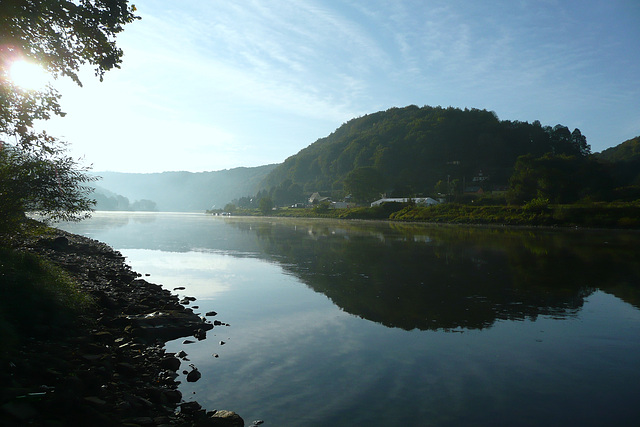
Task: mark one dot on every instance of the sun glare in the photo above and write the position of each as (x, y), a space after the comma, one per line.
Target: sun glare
(28, 75)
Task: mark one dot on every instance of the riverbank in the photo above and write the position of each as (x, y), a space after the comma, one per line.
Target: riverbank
(103, 364)
(620, 215)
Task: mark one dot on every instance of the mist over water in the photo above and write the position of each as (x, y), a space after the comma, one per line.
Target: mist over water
(359, 323)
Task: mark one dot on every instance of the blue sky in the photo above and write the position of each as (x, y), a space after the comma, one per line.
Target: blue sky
(211, 85)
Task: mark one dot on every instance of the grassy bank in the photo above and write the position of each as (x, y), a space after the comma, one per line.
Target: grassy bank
(37, 299)
(535, 213)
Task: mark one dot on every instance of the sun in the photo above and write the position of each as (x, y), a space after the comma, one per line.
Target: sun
(28, 75)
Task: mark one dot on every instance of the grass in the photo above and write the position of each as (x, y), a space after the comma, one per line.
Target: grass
(535, 213)
(37, 298)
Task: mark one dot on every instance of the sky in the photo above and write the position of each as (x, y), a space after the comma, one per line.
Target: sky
(208, 85)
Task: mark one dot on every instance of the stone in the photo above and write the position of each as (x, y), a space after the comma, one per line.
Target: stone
(190, 407)
(226, 418)
(171, 363)
(211, 313)
(194, 376)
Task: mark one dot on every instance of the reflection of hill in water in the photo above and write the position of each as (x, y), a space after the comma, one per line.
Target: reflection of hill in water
(449, 277)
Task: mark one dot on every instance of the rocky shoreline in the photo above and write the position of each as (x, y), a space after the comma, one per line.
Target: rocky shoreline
(112, 369)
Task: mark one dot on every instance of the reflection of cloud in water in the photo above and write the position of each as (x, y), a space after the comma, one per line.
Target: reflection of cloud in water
(203, 274)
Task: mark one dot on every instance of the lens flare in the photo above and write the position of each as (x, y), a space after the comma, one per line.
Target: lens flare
(28, 75)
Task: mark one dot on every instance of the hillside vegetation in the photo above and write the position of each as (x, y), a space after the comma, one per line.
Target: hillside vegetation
(414, 148)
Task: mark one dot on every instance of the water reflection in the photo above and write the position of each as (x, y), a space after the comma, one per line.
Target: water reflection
(411, 276)
(293, 358)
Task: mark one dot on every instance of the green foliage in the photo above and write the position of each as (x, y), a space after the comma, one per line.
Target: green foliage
(558, 178)
(536, 205)
(266, 205)
(623, 162)
(321, 208)
(413, 148)
(34, 182)
(364, 183)
(286, 193)
(628, 151)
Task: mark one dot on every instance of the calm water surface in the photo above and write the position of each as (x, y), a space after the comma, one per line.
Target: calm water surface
(355, 323)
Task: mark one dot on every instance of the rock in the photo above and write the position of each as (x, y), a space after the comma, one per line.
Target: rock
(172, 396)
(222, 343)
(190, 407)
(181, 354)
(194, 375)
(59, 243)
(211, 313)
(188, 342)
(225, 419)
(179, 288)
(171, 363)
(166, 325)
(95, 400)
(200, 334)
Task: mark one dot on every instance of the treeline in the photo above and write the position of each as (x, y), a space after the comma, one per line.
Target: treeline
(108, 201)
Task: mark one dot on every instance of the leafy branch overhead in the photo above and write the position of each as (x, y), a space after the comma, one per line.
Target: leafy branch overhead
(61, 37)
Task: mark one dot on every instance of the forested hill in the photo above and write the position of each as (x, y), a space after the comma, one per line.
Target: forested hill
(628, 151)
(625, 158)
(185, 191)
(414, 148)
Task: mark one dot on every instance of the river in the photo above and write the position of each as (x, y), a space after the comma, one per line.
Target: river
(353, 323)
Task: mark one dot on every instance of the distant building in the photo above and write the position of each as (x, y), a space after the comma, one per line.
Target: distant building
(424, 201)
(317, 198)
(480, 177)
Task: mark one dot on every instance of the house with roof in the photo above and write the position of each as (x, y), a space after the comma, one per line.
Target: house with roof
(316, 198)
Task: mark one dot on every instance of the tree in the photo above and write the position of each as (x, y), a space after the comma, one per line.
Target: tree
(51, 186)
(266, 205)
(61, 36)
(365, 184)
(559, 179)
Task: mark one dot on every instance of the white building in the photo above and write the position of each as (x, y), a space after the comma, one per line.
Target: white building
(424, 201)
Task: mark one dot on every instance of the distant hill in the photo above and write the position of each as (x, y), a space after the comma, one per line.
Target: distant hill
(415, 147)
(626, 152)
(185, 191)
(109, 201)
(625, 163)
